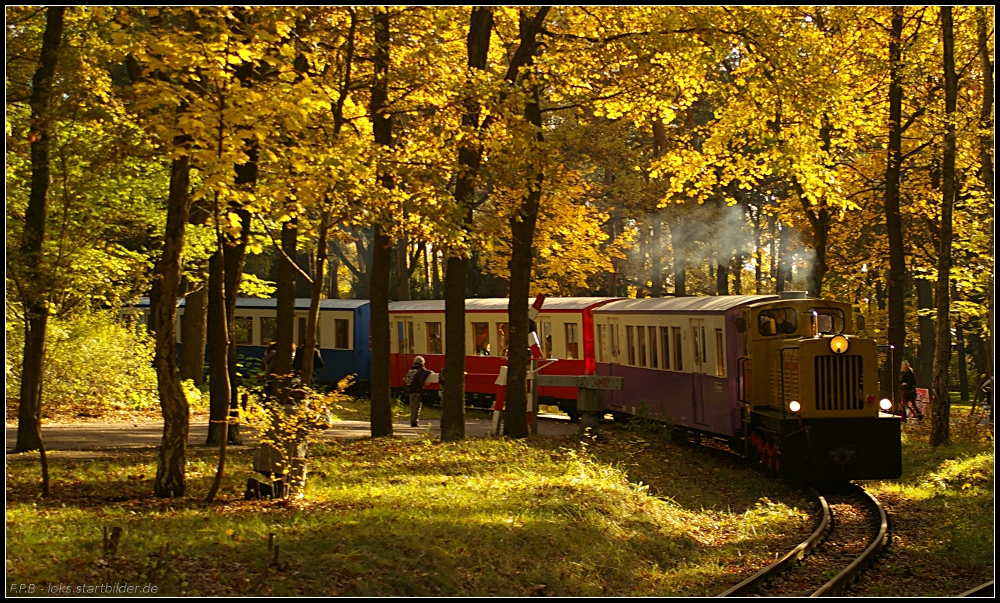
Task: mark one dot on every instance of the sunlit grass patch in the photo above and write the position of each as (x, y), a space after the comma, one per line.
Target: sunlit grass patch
(487, 516)
(944, 503)
(359, 409)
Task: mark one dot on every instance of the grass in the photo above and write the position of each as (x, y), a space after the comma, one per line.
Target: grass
(359, 409)
(944, 503)
(631, 514)
(397, 517)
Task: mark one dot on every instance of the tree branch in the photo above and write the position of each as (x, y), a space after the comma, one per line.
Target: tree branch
(277, 246)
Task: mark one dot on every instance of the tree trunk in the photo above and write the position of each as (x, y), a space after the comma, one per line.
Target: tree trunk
(940, 403)
(986, 111)
(218, 352)
(453, 402)
(986, 152)
(381, 401)
(220, 339)
(435, 274)
(312, 321)
(963, 367)
(285, 316)
(194, 324)
(402, 270)
(678, 237)
(193, 335)
(657, 256)
(893, 221)
(469, 158)
(522, 234)
(334, 291)
(36, 310)
(758, 254)
(381, 392)
(163, 317)
(925, 355)
(235, 257)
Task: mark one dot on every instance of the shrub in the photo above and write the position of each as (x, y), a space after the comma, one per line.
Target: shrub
(94, 363)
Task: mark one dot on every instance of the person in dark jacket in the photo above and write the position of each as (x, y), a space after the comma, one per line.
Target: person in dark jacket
(318, 364)
(414, 382)
(908, 383)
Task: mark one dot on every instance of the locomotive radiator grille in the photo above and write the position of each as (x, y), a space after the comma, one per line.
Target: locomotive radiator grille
(839, 383)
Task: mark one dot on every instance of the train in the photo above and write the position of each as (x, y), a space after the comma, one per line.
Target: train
(784, 380)
(343, 334)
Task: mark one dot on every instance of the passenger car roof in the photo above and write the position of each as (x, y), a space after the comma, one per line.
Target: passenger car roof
(715, 303)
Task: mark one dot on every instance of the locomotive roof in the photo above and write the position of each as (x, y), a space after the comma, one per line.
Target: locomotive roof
(498, 304)
(301, 303)
(715, 303)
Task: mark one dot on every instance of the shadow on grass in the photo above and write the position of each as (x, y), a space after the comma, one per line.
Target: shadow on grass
(394, 518)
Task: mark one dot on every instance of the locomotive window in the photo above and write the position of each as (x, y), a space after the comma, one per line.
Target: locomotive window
(720, 356)
(778, 321)
(665, 342)
(830, 320)
(630, 342)
(268, 329)
(434, 343)
(341, 334)
(481, 337)
(244, 330)
(652, 348)
(678, 355)
(642, 345)
(502, 331)
(572, 344)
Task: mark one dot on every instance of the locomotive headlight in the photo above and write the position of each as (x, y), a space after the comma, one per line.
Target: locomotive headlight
(885, 404)
(839, 344)
(794, 406)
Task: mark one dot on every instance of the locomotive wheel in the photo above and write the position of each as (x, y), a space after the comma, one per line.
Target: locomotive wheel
(769, 453)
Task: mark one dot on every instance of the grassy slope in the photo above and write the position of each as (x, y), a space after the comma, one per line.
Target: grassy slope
(633, 514)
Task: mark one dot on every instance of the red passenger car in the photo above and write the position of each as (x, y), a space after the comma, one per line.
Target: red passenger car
(565, 328)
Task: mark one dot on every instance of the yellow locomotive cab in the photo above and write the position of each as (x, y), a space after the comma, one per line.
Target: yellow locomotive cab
(811, 394)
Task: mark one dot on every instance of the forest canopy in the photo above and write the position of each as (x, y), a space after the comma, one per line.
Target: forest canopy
(639, 151)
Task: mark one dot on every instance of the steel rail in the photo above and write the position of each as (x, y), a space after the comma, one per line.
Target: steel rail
(874, 547)
(755, 581)
(983, 590)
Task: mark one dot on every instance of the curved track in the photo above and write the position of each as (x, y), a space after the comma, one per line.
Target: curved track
(851, 530)
(983, 590)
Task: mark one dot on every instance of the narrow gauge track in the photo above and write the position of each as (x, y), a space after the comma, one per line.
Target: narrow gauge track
(851, 531)
(983, 590)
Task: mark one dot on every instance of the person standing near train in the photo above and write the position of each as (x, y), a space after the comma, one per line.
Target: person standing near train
(908, 383)
(318, 363)
(414, 382)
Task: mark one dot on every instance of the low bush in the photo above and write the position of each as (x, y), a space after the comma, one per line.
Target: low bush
(94, 363)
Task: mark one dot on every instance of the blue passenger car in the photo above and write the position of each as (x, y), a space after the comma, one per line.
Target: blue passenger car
(342, 336)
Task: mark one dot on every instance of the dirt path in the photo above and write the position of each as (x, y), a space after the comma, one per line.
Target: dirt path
(83, 437)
